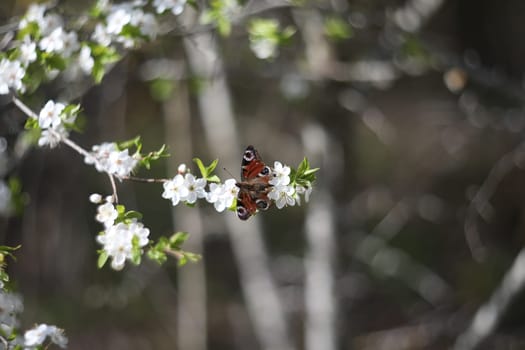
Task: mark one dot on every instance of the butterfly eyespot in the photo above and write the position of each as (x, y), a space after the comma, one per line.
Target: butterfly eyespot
(249, 155)
(262, 204)
(243, 213)
(265, 171)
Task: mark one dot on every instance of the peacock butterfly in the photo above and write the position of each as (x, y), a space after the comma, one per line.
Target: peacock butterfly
(254, 185)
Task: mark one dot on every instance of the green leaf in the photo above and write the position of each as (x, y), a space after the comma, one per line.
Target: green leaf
(31, 123)
(161, 89)
(121, 209)
(182, 260)
(136, 252)
(201, 167)
(129, 143)
(30, 29)
(213, 178)
(102, 258)
(157, 255)
(177, 239)
(210, 168)
(54, 61)
(337, 29)
(132, 214)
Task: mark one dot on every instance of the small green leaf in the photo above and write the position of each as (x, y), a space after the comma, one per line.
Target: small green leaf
(210, 168)
(177, 239)
(161, 89)
(102, 258)
(32, 29)
(121, 209)
(182, 260)
(337, 29)
(157, 255)
(201, 166)
(213, 178)
(132, 214)
(131, 142)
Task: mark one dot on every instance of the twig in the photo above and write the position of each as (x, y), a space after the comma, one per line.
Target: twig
(73, 145)
(488, 315)
(113, 186)
(4, 341)
(480, 202)
(141, 179)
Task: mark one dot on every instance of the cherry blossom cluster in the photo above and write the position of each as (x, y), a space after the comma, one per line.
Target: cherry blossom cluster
(123, 238)
(107, 157)
(44, 43)
(52, 121)
(37, 336)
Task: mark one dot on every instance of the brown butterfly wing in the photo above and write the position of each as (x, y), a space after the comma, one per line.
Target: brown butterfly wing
(252, 164)
(254, 187)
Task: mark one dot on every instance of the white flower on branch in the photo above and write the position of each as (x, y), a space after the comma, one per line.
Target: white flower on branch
(106, 214)
(27, 51)
(195, 188)
(11, 75)
(283, 195)
(175, 189)
(37, 335)
(117, 242)
(49, 116)
(53, 136)
(108, 158)
(281, 174)
(121, 163)
(222, 195)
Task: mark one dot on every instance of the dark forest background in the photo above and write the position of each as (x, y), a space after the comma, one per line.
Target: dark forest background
(414, 232)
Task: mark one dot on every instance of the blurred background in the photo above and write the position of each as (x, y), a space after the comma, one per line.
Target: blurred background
(415, 113)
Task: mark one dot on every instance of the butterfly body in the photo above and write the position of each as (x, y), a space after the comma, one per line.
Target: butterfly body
(254, 185)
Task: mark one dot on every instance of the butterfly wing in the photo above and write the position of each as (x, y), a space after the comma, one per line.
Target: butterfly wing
(252, 164)
(254, 186)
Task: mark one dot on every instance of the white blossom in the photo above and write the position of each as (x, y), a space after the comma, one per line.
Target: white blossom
(35, 13)
(281, 175)
(27, 51)
(95, 198)
(282, 195)
(195, 188)
(222, 195)
(49, 23)
(301, 190)
(49, 116)
(108, 158)
(106, 214)
(53, 136)
(117, 20)
(11, 75)
(121, 163)
(37, 335)
(101, 35)
(54, 42)
(117, 242)
(138, 230)
(71, 43)
(175, 189)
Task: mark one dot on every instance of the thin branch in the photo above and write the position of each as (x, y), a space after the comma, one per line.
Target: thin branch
(480, 205)
(113, 186)
(142, 179)
(488, 315)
